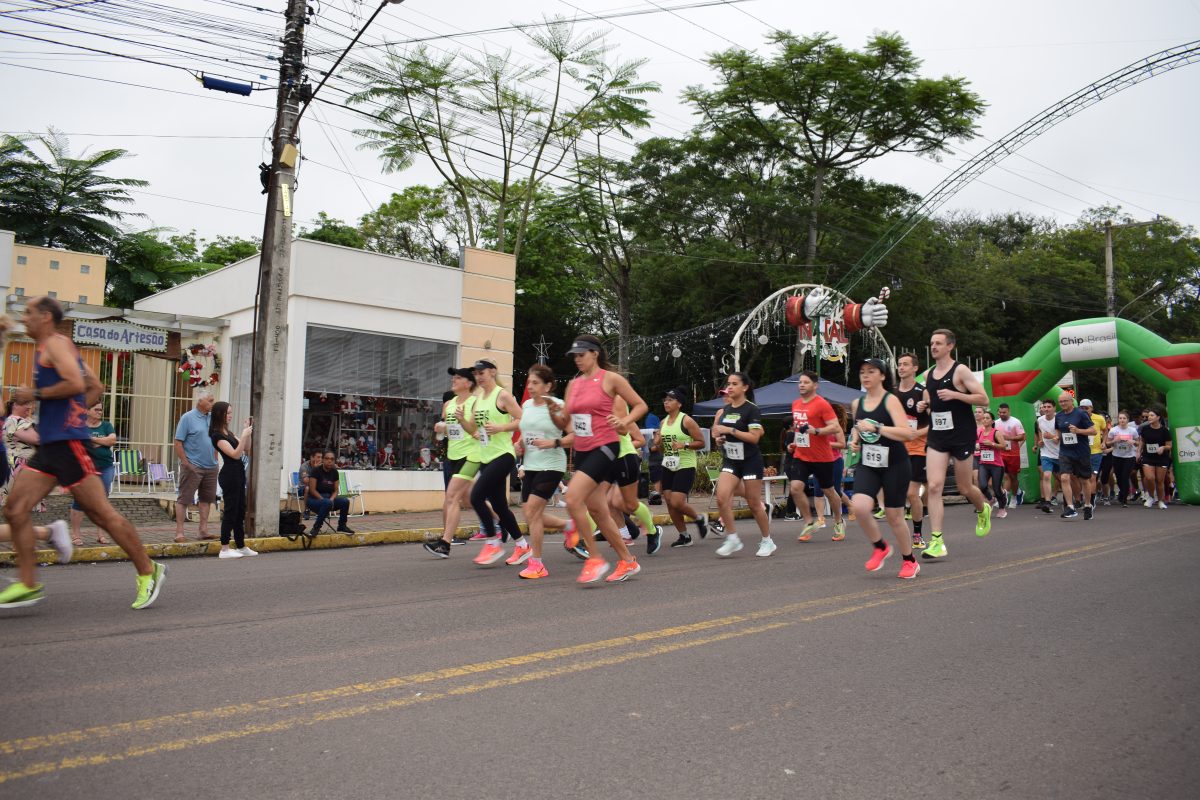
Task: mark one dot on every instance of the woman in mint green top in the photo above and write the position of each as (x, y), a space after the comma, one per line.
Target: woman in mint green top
(543, 447)
(497, 415)
(678, 438)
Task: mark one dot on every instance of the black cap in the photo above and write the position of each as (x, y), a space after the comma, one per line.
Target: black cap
(583, 346)
(877, 364)
(676, 394)
(483, 363)
(462, 372)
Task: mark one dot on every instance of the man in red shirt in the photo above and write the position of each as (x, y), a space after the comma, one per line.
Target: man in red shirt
(814, 427)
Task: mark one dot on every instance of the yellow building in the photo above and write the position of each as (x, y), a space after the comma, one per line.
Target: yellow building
(62, 274)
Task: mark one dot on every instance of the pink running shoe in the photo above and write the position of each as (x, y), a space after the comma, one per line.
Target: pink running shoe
(909, 570)
(520, 555)
(489, 554)
(875, 562)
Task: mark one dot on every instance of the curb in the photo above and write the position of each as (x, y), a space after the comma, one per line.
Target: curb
(278, 544)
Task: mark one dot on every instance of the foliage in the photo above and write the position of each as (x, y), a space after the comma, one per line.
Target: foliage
(439, 107)
(227, 249)
(334, 231)
(422, 223)
(61, 200)
(142, 263)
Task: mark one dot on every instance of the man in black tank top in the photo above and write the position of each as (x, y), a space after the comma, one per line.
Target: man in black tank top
(950, 392)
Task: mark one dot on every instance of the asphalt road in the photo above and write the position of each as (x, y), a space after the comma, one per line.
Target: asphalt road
(1052, 659)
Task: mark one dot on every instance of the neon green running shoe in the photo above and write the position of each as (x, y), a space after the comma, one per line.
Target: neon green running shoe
(936, 547)
(809, 529)
(18, 595)
(879, 513)
(839, 531)
(983, 520)
(148, 586)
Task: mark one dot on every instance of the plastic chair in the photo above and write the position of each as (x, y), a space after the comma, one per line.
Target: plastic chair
(129, 467)
(158, 473)
(297, 493)
(714, 475)
(351, 492)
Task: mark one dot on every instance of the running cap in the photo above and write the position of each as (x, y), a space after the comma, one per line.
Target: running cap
(676, 394)
(1085, 402)
(583, 346)
(483, 363)
(462, 372)
(877, 364)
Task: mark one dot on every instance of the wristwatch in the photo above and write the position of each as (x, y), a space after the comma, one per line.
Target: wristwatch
(558, 442)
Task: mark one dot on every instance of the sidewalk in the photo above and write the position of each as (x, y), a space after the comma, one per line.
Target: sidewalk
(372, 529)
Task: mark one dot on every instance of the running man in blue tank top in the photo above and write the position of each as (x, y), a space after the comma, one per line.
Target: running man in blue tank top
(65, 388)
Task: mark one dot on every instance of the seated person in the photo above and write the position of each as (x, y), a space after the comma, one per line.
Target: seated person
(322, 495)
(306, 469)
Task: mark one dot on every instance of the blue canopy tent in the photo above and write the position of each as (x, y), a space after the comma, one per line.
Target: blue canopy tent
(775, 399)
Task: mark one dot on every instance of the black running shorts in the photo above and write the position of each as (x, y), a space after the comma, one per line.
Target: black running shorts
(540, 483)
(680, 480)
(629, 469)
(893, 480)
(917, 464)
(748, 469)
(67, 461)
(599, 464)
(799, 470)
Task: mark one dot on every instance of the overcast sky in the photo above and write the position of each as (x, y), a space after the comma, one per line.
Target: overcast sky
(1137, 149)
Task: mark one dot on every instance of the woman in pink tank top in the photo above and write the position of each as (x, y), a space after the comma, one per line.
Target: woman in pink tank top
(588, 414)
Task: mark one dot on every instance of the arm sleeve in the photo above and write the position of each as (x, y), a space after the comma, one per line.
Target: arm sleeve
(180, 433)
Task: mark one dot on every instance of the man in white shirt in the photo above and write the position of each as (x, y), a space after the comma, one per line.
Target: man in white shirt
(1048, 439)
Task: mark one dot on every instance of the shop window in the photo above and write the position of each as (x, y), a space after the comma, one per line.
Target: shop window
(373, 399)
(22, 260)
(52, 294)
(53, 265)
(85, 269)
(19, 291)
(83, 298)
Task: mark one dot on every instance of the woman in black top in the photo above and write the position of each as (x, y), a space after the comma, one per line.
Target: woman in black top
(232, 479)
(736, 430)
(1155, 450)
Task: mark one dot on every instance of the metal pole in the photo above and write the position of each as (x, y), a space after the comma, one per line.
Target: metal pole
(267, 391)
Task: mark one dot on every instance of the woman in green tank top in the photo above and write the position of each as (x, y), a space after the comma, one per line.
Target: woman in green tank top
(462, 451)
(678, 438)
(622, 497)
(497, 415)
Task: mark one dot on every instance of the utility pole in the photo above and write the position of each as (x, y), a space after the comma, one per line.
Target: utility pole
(1111, 300)
(274, 276)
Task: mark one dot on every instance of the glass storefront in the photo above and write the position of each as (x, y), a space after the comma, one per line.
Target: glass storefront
(373, 399)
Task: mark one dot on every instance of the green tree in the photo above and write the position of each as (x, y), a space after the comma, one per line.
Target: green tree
(334, 231)
(142, 263)
(228, 249)
(423, 223)
(443, 107)
(835, 109)
(62, 200)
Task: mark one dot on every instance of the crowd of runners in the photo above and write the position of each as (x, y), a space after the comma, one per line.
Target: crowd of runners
(906, 439)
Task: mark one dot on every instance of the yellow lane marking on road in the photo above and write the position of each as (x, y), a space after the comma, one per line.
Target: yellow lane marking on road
(358, 689)
(882, 597)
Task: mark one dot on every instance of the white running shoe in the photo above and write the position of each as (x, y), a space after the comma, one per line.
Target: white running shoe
(766, 547)
(229, 554)
(1149, 502)
(1162, 505)
(246, 551)
(60, 540)
(730, 546)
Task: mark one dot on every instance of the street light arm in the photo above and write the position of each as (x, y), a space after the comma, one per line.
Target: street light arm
(1156, 285)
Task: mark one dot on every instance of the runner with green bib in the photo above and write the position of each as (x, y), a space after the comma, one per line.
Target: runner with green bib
(462, 450)
(497, 415)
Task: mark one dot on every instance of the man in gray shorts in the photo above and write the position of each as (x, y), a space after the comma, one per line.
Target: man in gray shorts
(197, 465)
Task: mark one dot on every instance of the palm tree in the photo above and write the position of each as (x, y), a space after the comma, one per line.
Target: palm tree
(63, 201)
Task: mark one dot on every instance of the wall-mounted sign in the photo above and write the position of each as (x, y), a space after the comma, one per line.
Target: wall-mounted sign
(115, 334)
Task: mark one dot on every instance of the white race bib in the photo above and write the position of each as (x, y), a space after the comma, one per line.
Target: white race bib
(1069, 438)
(875, 455)
(484, 438)
(943, 421)
(1153, 448)
(527, 440)
(987, 456)
(802, 439)
(671, 463)
(735, 450)
(1123, 450)
(912, 423)
(1091, 441)
(455, 432)
(1008, 445)
(581, 424)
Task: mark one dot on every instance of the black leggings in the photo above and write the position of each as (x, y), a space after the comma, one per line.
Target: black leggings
(233, 514)
(491, 486)
(993, 473)
(1124, 468)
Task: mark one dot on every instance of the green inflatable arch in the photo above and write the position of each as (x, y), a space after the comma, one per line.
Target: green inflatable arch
(1173, 369)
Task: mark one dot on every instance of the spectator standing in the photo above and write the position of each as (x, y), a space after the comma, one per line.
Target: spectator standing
(104, 436)
(197, 464)
(232, 478)
(20, 437)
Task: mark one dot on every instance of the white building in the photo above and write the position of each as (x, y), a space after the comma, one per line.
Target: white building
(370, 338)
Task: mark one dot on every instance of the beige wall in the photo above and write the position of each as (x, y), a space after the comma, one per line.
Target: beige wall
(69, 282)
(488, 309)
